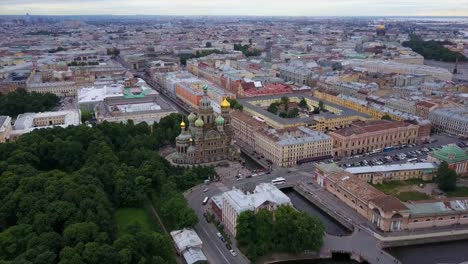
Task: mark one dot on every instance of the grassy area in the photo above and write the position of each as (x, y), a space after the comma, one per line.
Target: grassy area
(392, 187)
(125, 216)
(412, 196)
(459, 192)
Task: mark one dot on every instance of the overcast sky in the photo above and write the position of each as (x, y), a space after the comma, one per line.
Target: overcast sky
(239, 7)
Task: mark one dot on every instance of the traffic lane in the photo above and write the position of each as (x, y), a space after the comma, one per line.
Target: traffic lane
(211, 243)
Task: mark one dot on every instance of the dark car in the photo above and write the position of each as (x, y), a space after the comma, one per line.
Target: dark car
(228, 246)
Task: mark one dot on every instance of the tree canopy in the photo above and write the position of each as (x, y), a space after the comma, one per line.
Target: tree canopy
(446, 177)
(59, 188)
(247, 50)
(433, 50)
(285, 230)
(20, 101)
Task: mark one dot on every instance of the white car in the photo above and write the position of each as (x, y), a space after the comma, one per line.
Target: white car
(205, 190)
(219, 235)
(233, 253)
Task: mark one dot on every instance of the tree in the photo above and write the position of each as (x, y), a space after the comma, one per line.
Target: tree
(386, 117)
(321, 105)
(86, 116)
(235, 104)
(303, 103)
(293, 113)
(446, 177)
(273, 108)
(284, 100)
(208, 44)
(283, 114)
(20, 101)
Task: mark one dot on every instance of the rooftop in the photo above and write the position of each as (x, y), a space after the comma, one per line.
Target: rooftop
(392, 167)
(450, 153)
(263, 192)
(295, 135)
(358, 128)
(420, 209)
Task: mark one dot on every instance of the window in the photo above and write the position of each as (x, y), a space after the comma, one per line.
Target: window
(427, 220)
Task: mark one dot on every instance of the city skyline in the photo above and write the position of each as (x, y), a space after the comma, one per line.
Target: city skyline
(241, 7)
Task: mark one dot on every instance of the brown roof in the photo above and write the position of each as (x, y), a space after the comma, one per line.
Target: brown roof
(357, 187)
(425, 104)
(243, 117)
(360, 127)
(389, 203)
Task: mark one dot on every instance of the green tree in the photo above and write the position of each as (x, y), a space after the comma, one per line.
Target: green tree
(273, 108)
(208, 44)
(293, 113)
(321, 105)
(446, 177)
(386, 117)
(303, 103)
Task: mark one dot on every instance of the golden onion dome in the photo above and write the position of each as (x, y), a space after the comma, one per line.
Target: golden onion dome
(225, 103)
(182, 124)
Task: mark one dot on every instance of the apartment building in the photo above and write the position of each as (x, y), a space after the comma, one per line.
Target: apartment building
(453, 121)
(5, 128)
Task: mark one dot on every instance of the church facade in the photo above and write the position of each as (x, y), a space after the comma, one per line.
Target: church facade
(207, 138)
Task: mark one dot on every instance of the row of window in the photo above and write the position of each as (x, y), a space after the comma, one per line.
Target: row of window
(439, 219)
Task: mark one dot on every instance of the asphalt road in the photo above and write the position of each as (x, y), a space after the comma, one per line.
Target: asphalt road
(214, 249)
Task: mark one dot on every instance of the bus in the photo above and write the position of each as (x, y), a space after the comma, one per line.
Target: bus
(375, 151)
(387, 149)
(206, 200)
(279, 180)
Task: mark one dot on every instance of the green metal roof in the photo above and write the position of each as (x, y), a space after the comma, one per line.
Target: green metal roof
(450, 153)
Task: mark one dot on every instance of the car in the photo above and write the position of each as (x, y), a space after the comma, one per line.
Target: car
(219, 235)
(228, 246)
(233, 253)
(205, 190)
(222, 239)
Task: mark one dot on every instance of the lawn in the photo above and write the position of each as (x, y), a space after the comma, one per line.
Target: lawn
(412, 196)
(459, 192)
(392, 187)
(126, 216)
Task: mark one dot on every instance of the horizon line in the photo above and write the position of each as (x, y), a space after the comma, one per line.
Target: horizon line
(174, 15)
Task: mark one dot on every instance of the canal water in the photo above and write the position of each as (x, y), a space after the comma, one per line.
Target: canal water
(332, 227)
(250, 163)
(447, 252)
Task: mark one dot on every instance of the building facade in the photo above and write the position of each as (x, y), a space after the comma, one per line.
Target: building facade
(236, 201)
(456, 158)
(5, 128)
(208, 137)
(453, 121)
(364, 137)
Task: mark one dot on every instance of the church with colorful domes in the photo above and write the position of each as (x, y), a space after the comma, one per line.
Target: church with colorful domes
(207, 137)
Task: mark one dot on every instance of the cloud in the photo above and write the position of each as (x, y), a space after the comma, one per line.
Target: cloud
(238, 7)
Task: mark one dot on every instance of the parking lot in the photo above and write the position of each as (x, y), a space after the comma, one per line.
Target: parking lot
(399, 154)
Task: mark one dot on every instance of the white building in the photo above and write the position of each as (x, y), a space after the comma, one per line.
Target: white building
(265, 195)
(189, 245)
(5, 128)
(27, 122)
(453, 121)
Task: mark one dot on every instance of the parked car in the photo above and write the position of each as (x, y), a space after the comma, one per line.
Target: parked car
(233, 253)
(219, 235)
(228, 246)
(205, 190)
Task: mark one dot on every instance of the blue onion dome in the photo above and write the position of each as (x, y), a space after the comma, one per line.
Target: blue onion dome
(220, 120)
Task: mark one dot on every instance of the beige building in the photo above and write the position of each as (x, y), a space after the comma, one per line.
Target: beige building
(395, 172)
(453, 121)
(385, 211)
(364, 137)
(245, 127)
(287, 147)
(5, 128)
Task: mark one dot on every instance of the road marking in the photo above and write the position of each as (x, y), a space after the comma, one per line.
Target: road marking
(219, 250)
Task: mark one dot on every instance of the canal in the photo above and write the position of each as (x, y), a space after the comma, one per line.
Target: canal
(447, 252)
(250, 163)
(332, 227)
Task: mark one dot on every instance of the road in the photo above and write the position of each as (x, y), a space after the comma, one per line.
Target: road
(214, 249)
